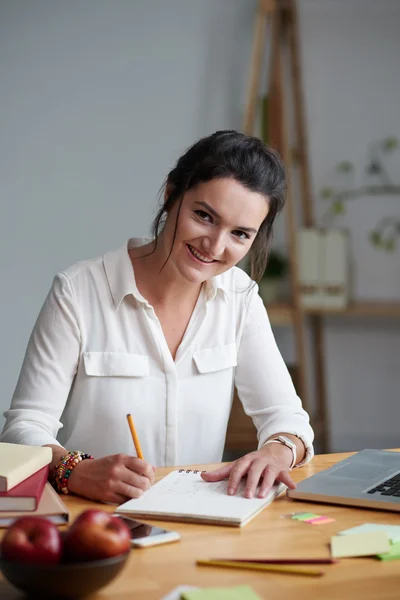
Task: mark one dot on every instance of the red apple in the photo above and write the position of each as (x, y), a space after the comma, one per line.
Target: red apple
(32, 540)
(96, 534)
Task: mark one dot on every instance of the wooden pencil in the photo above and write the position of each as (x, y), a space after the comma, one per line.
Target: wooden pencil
(134, 436)
(261, 567)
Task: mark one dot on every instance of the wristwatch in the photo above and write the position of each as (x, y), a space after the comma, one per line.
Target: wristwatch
(282, 439)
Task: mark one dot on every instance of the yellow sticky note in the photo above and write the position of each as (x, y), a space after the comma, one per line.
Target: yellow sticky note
(360, 544)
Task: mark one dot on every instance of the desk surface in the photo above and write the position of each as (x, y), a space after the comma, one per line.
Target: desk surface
(153, 572)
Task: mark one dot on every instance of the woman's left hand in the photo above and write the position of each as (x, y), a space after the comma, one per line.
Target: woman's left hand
(265, 466)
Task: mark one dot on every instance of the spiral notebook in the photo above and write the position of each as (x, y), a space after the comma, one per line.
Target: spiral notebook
(184, 496)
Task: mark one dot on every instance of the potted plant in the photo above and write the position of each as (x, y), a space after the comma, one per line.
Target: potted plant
(277, 267)
(379, 183)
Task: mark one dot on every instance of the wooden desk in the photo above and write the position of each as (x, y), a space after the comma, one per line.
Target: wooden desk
(153, 572)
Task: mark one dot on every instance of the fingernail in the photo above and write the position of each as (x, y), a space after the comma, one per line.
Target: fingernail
(249, 494)
(230, 491)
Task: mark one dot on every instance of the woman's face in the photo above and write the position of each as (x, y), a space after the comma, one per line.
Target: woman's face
(217, 224)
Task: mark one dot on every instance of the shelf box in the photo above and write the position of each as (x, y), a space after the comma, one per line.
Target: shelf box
(323, 268)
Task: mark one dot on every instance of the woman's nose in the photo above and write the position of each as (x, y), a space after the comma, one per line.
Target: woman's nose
(214, 244)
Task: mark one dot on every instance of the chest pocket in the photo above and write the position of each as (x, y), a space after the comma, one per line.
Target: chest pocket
(115, 364)
(216, 359)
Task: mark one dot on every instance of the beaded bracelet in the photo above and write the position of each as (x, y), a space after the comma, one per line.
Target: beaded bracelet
(63, 470)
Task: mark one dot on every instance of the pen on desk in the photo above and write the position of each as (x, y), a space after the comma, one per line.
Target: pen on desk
(262, 567)
(134, 436)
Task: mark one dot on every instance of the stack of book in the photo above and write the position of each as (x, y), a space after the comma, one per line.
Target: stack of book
(24, 489)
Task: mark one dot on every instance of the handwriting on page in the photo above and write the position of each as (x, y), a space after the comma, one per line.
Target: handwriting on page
(191, 484)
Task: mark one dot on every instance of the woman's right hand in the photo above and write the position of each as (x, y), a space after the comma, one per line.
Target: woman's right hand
(115, 478)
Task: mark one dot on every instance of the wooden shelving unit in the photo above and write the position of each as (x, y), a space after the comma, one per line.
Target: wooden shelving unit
(283, 314)
(279, 18)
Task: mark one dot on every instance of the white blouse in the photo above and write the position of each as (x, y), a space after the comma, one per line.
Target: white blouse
(97, 352)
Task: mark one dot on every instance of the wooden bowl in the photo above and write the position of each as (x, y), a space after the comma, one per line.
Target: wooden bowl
(65, 580)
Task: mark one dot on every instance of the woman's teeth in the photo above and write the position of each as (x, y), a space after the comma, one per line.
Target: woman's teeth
(200, 256)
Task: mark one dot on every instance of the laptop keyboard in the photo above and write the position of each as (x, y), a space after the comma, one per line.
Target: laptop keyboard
(390, 487)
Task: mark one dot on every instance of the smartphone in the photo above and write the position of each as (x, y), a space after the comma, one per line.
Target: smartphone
(144, 535)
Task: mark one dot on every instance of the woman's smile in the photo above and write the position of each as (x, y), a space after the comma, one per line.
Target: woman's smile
(199, 256)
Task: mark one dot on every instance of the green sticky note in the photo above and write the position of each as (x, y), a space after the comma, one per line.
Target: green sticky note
(305, 516)
(393, 554)
(240, 592)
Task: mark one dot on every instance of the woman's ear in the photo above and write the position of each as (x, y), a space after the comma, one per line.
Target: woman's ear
(169, 188)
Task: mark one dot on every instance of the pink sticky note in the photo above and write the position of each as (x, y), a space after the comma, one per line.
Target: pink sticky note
(321, 521)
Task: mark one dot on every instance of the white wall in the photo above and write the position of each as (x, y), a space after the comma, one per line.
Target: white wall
(98, 100)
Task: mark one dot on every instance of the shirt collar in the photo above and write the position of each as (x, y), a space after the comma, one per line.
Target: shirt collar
(121, 276)
(213, 286)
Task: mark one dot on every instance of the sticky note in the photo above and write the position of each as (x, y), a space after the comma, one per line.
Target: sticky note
(360, 544)
(305, 516)
(240, 592)
(393, 554)
(320, 521)
(393, 531)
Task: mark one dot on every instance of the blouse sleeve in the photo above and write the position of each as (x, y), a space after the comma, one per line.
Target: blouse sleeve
(47, 372)
(263, 382)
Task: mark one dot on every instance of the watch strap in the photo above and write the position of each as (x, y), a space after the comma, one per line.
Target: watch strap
(281, 439)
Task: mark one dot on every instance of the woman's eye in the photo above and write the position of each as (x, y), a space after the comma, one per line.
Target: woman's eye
(242, 235)
(203, 215)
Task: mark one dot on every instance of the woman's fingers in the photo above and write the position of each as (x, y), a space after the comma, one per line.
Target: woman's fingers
(114, 498)
(239, 469)
(129, 491)
(268, 480)
(284, 476)
(270, 477)
(255, 472)
(137, 465)
(134, 480)
(218, 474)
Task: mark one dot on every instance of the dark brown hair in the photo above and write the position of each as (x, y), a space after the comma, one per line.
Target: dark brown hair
(244, 158)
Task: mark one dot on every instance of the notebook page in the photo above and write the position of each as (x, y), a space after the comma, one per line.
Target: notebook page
(183, 493)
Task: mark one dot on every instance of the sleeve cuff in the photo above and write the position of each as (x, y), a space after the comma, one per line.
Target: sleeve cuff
(308, 446)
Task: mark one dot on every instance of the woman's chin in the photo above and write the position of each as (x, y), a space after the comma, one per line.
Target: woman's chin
(195, 276)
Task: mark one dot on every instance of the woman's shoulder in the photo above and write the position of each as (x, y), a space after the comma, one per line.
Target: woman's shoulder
(90, 266)
(82, 267)
(236, 280)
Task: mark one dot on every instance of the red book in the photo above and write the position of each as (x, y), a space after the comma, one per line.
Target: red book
(26, 495)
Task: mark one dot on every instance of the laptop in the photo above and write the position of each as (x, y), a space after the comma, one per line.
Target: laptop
(370, 479)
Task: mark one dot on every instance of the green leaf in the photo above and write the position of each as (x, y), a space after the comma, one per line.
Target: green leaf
(375, 238)
(390, 143)
(390, 245)
(345, 167)
(326, 192)
(338, 207)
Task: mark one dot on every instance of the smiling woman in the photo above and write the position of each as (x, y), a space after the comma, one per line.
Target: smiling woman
(165, 329)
